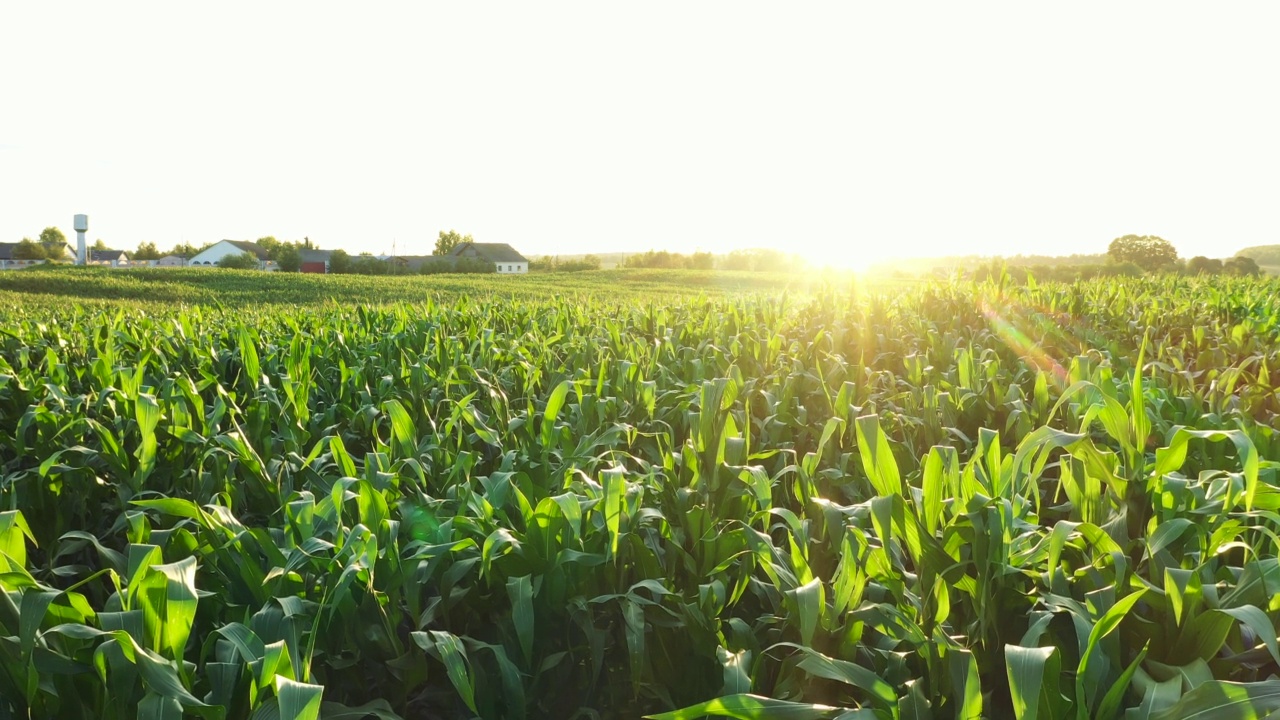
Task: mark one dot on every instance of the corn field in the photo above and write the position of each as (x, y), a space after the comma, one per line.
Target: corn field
(943, 500)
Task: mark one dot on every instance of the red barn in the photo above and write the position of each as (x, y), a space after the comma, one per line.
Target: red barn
(315, 261)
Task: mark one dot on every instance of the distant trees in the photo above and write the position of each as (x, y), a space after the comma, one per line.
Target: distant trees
(762, 260)
(289, 258)
(1240, 265)
(478, 266)
(287, 255)
(29, 249)
(448, 241)
(367, 264)
(1146, 251)
(268, 243)
(754, 260)
(1262, 254)
(54, 242)
(655, 259)
(187, 250)
(239, 261)
(339, 262)
(1201, 265)
(702, 261)
(1198, 265)
(146, 251)
(551, 263)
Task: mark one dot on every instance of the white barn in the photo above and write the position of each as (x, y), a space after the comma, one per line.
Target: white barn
(504, 257)
(210, 256)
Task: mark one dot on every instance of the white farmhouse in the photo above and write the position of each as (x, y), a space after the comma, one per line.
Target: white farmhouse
(210, 256)
(503, 256)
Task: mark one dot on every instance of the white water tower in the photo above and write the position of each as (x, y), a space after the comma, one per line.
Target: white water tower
(82, 227)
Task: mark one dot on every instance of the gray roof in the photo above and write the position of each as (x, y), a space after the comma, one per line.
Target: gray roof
(251, 248)
(316, 255)
(107, 255)
(415, 262)
(7, 248)
(493, 252)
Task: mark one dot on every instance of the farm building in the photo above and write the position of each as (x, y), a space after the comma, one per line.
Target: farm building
(502, 255)
(171, 261)
(210, 256)
(8, 262)
(109, 258)
(316, 261)
(415, 263)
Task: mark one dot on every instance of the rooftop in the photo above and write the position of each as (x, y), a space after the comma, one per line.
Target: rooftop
(494, 252)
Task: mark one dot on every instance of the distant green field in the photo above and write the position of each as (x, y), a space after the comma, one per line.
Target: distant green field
(638, 493)
(230, 287)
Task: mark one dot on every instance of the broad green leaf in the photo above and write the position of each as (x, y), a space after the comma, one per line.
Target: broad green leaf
(817, 664)
(298, 701)
(1221, 700)
(877, 457)
(1107, 624)
(520, 592)
(750, 707)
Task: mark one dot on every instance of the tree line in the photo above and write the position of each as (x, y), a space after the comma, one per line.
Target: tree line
(753, 260)
(1127, 256)
(51, 244)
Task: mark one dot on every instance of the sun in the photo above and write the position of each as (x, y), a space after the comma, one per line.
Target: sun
(854, 257)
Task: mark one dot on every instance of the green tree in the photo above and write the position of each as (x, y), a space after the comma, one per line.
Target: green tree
(448, 241)
(655, 259)
(1146, 251)
(474, 265)
(1240, 265)
(54, 243)
(146, 251)
(1201, 265)
(289, 258)
(270, 244)
(737, 260)
(28, 249)
(702, 261)
(239, 261)
(339, 262)
(186, 250)
(99, 246)
(367, 264)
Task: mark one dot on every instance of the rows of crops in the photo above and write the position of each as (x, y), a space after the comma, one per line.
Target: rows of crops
(948, 501)
(226, 287)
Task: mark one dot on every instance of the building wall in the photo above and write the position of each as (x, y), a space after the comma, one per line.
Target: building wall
(512, 268)
(319, 267)
(210, 256)
(19, 264)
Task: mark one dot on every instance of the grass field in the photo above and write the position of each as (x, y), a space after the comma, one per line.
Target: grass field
(627, 493)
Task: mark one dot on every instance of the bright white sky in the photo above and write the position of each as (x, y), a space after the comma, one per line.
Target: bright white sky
(856, 131)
